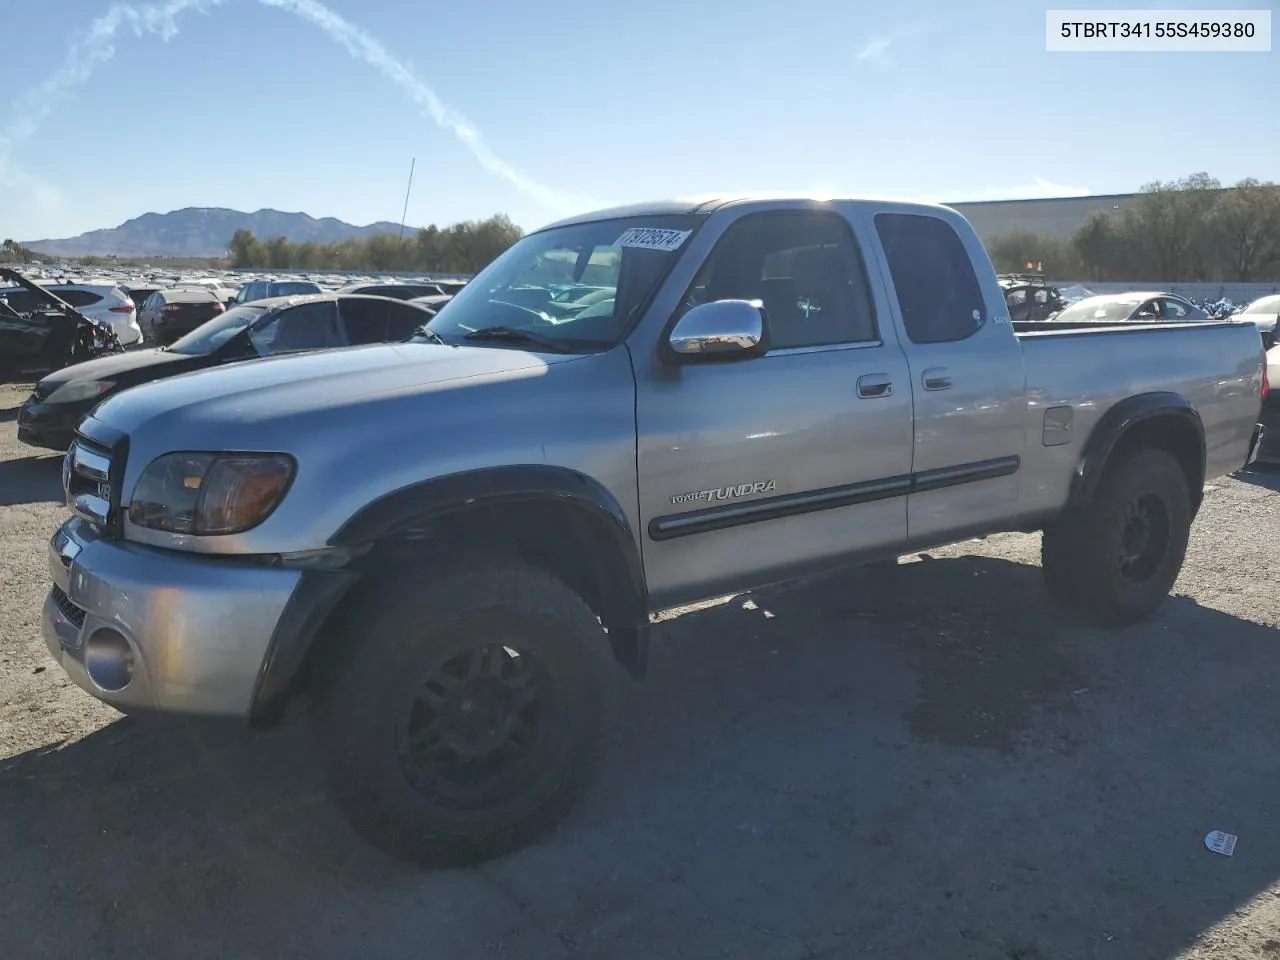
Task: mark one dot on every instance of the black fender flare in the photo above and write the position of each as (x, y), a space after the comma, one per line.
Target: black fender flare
(458, 491)
(399, 512)
(626, 595)
(1119, 421)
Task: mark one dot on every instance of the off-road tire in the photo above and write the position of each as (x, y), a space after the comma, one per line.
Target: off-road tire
(1081, 553)
(373, 676)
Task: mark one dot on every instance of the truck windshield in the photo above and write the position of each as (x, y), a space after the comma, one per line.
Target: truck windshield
(578, 287)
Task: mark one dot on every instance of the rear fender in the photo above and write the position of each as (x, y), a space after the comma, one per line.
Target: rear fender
(1167, 420)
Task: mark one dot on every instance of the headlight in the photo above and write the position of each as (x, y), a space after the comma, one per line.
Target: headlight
(78, 390)
(210, 493)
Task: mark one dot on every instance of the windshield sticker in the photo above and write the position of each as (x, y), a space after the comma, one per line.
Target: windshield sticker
(650, 238)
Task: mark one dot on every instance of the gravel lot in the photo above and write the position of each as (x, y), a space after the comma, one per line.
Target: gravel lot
(932, 765)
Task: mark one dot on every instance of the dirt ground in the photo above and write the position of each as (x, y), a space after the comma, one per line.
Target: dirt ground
(929, 766)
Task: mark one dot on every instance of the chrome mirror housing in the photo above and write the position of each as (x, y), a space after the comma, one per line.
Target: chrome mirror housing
(720, 330)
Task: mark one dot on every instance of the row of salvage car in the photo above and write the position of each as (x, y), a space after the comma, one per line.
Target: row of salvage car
(84, 361)
(1031, 297)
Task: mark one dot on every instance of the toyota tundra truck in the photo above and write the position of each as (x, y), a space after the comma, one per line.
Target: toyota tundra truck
(444, 545)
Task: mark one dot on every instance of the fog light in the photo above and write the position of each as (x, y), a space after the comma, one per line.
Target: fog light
(108, 659)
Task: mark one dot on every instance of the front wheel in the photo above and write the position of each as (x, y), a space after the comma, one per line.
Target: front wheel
(464, 716)
(1115, 560)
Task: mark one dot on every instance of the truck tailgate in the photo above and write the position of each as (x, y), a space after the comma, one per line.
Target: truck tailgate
(1091, 367)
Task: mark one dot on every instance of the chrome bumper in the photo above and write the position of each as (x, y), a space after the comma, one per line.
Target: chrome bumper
(197, 630)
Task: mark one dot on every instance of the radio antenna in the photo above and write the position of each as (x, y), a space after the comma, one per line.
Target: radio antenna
(405, 216)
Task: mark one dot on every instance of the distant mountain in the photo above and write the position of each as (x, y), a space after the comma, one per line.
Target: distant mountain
(202, 232)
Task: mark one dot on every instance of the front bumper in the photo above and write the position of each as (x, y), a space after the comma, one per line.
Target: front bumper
(197, 629)
(49, 426)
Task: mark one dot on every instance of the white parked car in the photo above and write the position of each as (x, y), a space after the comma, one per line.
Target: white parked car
(102, 302)
(1265, 313)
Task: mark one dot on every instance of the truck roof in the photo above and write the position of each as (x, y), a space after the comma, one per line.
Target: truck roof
(712, 202)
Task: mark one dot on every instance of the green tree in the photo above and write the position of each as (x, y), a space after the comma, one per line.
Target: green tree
(280, 253)
(465, 247)
(386, 251)
(14, 252)
(1024, 250)
(245, 250)
(1245, 231)
(428, 250)
(1100, 248)
(1164, 229)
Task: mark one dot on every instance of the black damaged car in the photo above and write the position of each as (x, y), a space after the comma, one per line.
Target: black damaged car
(48, 335)
(263, 328)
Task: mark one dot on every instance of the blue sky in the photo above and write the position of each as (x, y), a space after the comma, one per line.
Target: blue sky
(572, 104)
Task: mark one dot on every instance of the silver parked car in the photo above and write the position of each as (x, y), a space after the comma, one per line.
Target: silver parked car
(1149, 306)
(269, 289)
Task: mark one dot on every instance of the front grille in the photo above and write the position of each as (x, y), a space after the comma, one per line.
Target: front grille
(68, 609)
(89, 480)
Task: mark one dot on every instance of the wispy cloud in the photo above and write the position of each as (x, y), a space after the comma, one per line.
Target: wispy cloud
(884, 45)
(97, 46)
(874, 49)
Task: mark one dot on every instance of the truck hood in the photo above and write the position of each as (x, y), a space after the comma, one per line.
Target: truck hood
(363, 423)
(278, 389)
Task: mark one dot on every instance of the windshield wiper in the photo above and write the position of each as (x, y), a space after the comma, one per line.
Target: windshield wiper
(425, 331)
(518, 335)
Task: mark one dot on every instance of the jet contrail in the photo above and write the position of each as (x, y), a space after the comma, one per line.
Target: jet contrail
(364, 47)
(93, 50)
(97, 47)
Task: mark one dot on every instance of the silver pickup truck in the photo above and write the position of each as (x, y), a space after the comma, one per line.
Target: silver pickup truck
(445, 543)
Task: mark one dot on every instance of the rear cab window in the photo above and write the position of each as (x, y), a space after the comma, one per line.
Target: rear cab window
(937, 288)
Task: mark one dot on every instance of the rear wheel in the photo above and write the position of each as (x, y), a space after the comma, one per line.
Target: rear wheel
(466, 715)
(1115, 560)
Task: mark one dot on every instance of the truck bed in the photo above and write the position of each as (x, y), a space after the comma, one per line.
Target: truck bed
(1090, 366)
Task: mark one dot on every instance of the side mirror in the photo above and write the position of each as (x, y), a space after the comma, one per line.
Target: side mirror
(720, 330)
(1269, 339)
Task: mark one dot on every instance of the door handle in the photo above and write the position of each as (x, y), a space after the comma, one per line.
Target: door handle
(936, 378)
(875, 385)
